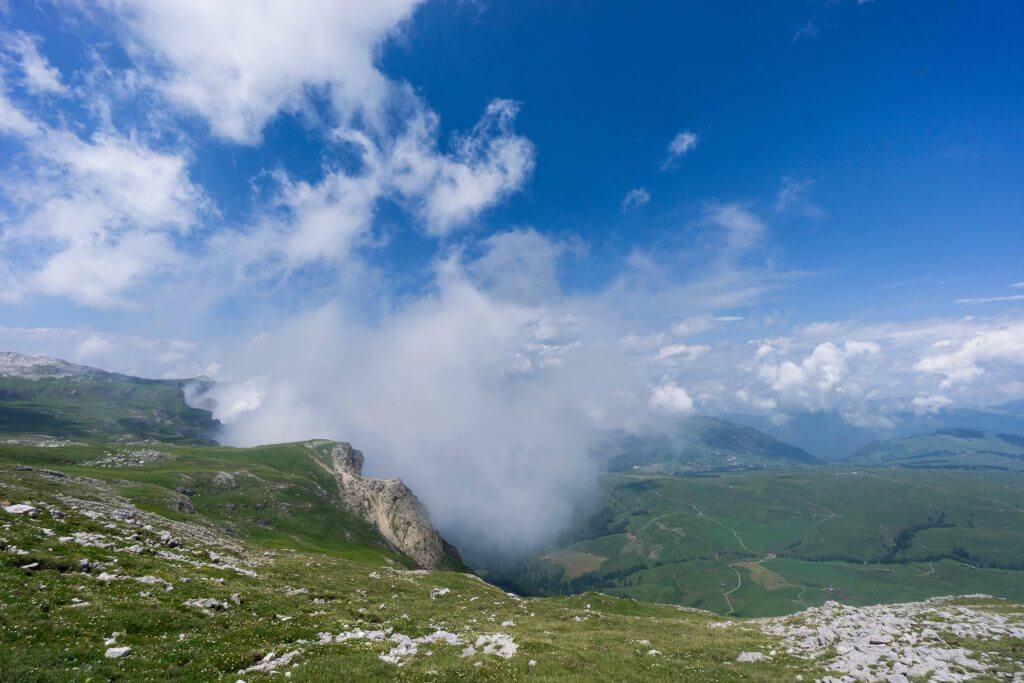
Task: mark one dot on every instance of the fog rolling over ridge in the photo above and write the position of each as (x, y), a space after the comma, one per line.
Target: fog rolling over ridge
(452, 395)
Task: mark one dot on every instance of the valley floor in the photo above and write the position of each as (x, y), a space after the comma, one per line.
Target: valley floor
(769, 543)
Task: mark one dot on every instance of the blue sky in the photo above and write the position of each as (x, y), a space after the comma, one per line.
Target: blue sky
(181, 179)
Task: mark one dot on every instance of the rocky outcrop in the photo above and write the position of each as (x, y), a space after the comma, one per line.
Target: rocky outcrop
(388, 505)
(39, 367)
(904, 642)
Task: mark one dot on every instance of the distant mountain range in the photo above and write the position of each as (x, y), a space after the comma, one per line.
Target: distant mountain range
(946, 449)
(700, 444)
(829, 436)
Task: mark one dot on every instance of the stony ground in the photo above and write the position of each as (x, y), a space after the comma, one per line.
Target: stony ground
(942, 639)
(94, 588)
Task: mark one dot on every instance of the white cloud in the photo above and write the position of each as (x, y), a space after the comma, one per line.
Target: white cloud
(519, 265)
(682, 352)
(12, 120)
(129, 354)
(672, 398)
(811, 382)
(1018, 285)
(792, 197)
(968, 360)
(327, 220)
(487, 165)
(808, 30)
(38, 75)
(12, 290)
(933, 403)
(237, 63)
(634, 199)
(100, 215)
(682, 144)
(992, 299)
(743, 229)
(698, 324)
(761, 403)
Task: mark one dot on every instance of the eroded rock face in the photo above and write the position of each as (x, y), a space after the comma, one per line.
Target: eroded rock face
(389, 505)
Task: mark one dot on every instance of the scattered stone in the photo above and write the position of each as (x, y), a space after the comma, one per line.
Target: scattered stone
(752, 657)
(21, 509)
(858, 643)
(206, 603)
(138, 458)
(498, 644)
(117, 652)
(271, 661)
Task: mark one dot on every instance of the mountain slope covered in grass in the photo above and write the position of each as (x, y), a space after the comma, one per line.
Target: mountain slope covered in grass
(47, 396)
(100, 582)
(281, 495)
(948, 449)
(700, 444)
(769, 542)
(831, 436)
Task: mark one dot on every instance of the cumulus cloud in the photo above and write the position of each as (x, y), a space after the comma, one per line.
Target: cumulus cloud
(326, 221)
(100, 214)
(964, 362)
(104, 216)
(237, 63)
(809, 382)
(634, 199)
(682, 144)
(486, 166)
(672, 398)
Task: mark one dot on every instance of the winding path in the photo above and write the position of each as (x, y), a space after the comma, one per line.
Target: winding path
(701, 514)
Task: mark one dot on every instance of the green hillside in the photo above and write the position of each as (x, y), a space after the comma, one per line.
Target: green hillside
(161, 560)
(278, 496)
(103, 578)
(91, 404)
(947, 448)
(700, 444)
(771, 542)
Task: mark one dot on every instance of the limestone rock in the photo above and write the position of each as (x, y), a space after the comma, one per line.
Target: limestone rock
(388, 505)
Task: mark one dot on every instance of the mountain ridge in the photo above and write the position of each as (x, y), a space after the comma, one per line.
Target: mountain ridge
(948, 448)
(700, 444)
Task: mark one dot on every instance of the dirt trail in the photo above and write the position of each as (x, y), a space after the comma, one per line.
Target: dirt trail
(701, 514)
(739, 584)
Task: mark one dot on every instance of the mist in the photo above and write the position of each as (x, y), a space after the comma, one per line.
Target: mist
(483, 395)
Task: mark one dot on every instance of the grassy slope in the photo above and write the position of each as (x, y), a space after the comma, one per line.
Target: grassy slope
(46, 638)
(702, 444)
(101, 406)
(951, 448)
(276, 496)
(768, 543)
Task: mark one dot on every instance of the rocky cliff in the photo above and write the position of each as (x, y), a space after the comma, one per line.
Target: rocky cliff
(388, 505)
